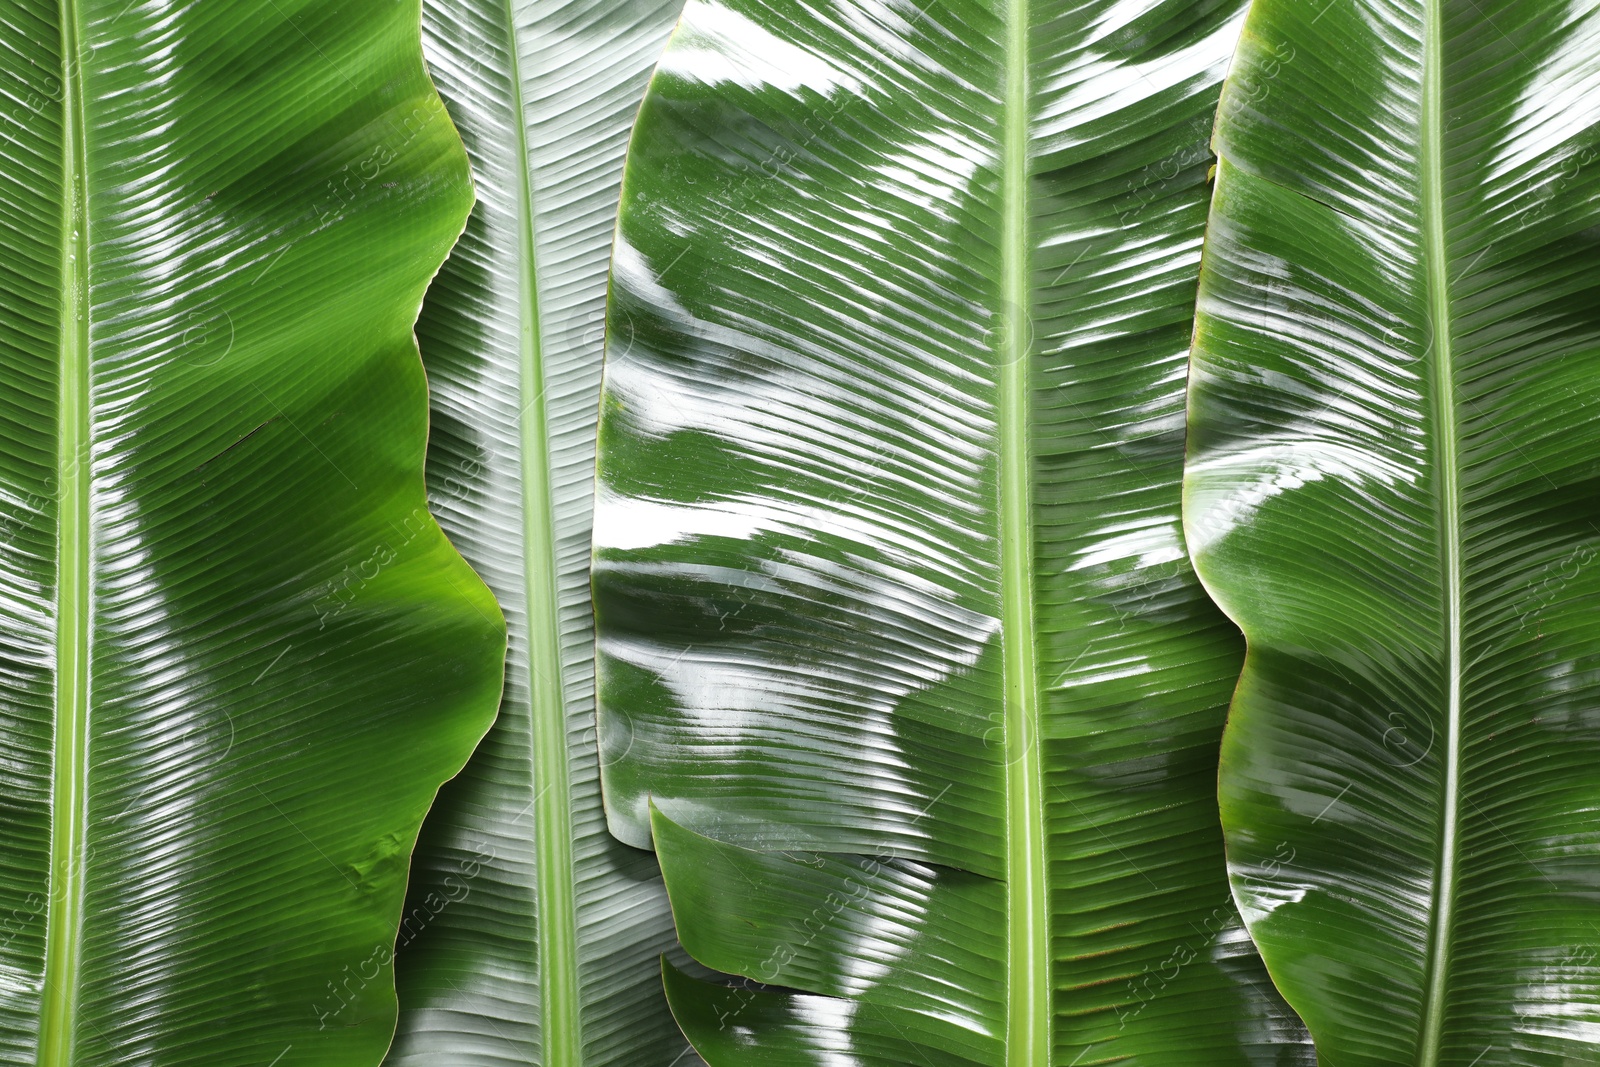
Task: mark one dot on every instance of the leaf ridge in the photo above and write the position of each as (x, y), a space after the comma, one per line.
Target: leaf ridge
(1447, 446)
(1027, 873)
(69, 769)
(560, 1028)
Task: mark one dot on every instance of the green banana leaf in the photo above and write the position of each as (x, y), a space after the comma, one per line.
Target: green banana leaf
(897, 633)
(531, 935)
(1391, 488)
(237, 655)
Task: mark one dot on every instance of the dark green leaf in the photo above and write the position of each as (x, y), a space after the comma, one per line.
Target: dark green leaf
(897, 628)
(237, 656)
(1392, 488)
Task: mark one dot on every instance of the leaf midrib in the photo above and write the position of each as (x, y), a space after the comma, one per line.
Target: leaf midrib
(69, 769)
(560, 1035)
(1028, 1018)
(1446, 446)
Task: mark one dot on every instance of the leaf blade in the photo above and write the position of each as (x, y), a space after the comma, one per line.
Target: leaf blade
(549, 951)
(1371, 286)
(804, 624)
(215, 528)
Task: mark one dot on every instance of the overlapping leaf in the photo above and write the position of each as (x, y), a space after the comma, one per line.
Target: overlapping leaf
(237, 656)
(531, 935)
(896, 627)
(1392, 489)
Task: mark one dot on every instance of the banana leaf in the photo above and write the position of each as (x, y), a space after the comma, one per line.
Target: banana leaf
(1391, 488)
(902, 666)
(531, 935)
(237, 655)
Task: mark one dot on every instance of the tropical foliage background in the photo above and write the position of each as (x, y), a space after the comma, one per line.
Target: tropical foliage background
(799, 533)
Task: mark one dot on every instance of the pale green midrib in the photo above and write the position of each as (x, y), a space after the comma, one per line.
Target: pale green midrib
(1446, 443)
(64, 913)
(560, 1025)
(1028, 1018)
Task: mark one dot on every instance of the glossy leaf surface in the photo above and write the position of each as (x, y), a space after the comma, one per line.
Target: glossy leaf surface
(896, 626)
(531, 935)
(237, 656)
(1392, 489)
